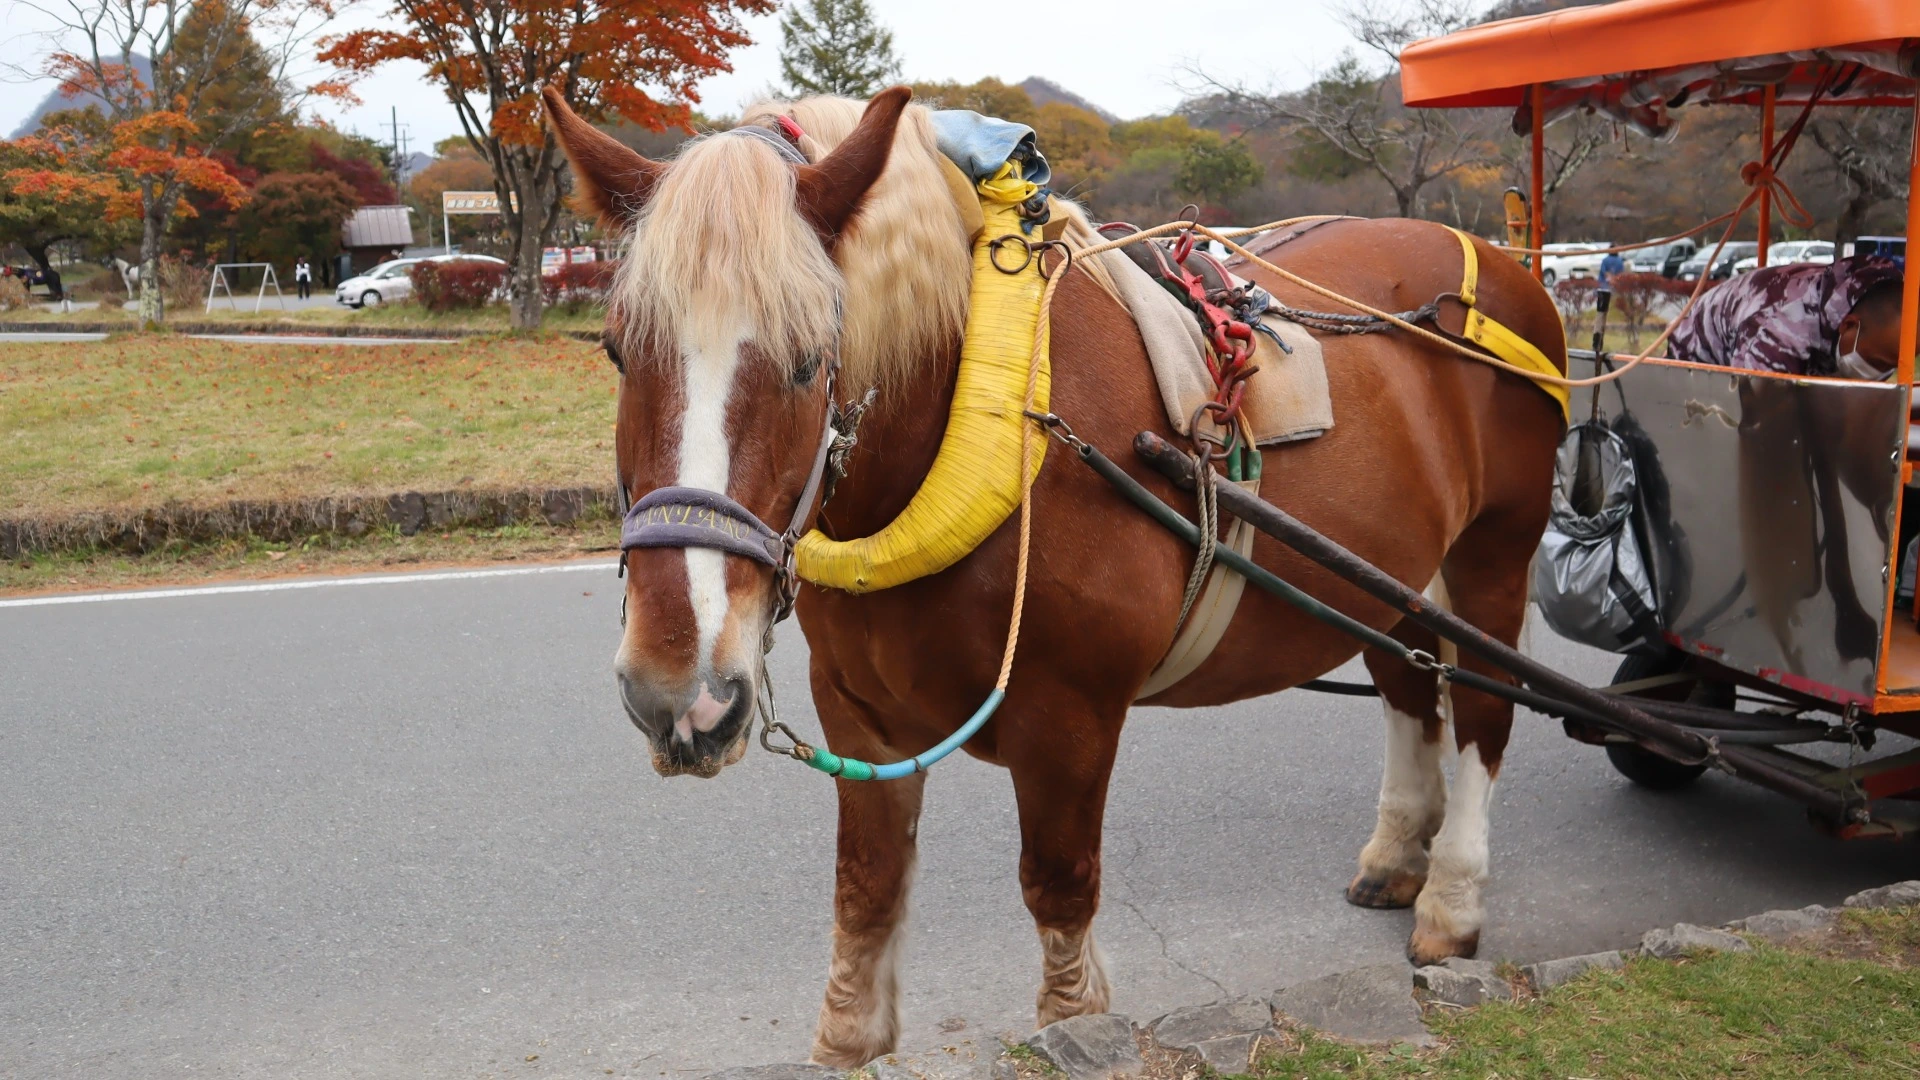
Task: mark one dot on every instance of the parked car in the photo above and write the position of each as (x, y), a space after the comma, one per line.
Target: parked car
(1890, 247)
(390, 281)
(1789, 251)
(1733, 252)
(1665, 259)
(1570, 260)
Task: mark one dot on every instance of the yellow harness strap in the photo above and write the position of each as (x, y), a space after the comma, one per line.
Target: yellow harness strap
(1490, 335)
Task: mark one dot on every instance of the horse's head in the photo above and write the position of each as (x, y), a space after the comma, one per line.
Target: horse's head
(725, 319)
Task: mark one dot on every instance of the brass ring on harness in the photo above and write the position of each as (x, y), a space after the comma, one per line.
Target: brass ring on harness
(1026, 247)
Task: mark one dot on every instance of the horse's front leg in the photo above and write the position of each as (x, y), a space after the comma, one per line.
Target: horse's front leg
(1061, 785)
(879, 820)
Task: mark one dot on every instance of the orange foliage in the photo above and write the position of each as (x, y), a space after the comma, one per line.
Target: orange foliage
(75, 166)
(600, 55)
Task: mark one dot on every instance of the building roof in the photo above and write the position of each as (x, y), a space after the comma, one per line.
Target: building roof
(378, 226)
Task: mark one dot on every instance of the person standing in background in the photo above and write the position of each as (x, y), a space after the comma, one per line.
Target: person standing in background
(303, 277)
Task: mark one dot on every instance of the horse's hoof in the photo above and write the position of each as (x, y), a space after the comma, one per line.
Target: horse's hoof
(1396, 890)
(1430, 946)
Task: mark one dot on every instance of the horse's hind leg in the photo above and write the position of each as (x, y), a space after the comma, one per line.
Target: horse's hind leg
(860, 1018)
(1486, 578)
(1413, 789)
(1062, 792)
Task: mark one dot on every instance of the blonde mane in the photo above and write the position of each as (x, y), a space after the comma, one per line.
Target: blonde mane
(719, 255)
(721, 243)
(907, 258)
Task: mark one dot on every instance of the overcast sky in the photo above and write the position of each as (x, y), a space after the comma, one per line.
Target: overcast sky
(1123, 55)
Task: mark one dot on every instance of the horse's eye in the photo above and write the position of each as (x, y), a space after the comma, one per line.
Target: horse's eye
(808, 368)
(613, 354)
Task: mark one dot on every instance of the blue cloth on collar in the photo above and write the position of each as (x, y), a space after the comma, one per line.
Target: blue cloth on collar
(981, 144)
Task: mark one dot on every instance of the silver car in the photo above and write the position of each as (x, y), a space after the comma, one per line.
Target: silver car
(391, 281)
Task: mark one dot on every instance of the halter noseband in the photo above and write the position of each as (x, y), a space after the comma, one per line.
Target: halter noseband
(686, 517)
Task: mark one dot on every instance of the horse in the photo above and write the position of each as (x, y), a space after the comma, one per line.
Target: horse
(129, 274)
(745, 269)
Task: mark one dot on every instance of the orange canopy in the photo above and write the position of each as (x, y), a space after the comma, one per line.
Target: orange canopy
(1695, 44)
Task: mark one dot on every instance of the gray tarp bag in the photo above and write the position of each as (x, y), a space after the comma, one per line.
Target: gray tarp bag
(1590, 576)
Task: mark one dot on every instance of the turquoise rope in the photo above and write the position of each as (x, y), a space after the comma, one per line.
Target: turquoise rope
(854, 769)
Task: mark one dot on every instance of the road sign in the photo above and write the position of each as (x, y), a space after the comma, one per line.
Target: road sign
(472, 202)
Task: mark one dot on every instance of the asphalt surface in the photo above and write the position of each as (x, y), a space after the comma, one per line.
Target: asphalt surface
(404, 830)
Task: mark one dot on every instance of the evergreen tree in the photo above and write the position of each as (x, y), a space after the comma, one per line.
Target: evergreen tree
(835, 47)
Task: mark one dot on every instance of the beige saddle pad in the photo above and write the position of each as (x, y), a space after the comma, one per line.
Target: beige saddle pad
(1287, 400)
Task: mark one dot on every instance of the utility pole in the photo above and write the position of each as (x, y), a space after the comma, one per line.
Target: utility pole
(400, 145)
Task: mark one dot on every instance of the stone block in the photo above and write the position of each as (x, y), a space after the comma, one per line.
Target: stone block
(1548, 974)
(1095, 1047)
(1900, 894)
(1778, 926)
(1182, 1028)
(1683, 938)
(1463, 982)
(1368, 1005)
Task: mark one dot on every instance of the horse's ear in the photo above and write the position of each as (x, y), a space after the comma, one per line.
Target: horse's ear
(611, 181)
(830, 192)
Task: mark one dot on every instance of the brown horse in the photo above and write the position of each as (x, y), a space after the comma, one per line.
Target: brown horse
(743, 268)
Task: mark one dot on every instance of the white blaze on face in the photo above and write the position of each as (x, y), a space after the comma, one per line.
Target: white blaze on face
(709, 366)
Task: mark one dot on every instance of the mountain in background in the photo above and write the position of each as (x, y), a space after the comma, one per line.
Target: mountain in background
(56, 101)
(1045, 92)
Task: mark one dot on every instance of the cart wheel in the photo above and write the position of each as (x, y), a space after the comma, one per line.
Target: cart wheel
(1650, 770)
(1643, 766)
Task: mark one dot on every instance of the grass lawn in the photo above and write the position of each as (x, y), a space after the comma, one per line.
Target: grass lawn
(1847, 1006)
(140, 420)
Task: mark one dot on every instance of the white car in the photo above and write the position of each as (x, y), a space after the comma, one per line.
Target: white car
(1790, 251)
(391, 281)
(1570, 260)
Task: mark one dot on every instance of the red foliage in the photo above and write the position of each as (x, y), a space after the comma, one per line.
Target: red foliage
(367, 179)
(575, 285)
(600, 54)
(456, 283)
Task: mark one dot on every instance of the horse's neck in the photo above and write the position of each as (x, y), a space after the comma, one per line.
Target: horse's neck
(898, 440)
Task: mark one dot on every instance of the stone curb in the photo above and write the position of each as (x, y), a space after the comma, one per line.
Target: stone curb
(1371, 1006)
(138, 531)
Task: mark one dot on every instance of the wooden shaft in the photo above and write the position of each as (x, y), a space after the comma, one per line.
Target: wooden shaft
(1538, 187)
(1766, 157)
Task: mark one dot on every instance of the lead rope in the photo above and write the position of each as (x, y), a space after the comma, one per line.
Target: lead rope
(1206, 502)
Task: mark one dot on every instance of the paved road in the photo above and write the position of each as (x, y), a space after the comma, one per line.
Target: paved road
(404, 831)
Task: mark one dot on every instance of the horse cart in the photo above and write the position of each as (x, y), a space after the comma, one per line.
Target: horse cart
(1772, 509)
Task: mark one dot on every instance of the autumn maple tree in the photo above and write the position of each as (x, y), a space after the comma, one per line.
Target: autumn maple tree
(158, 73)
(638, 60)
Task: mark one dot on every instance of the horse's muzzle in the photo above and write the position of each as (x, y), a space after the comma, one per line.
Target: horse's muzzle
(693, 732)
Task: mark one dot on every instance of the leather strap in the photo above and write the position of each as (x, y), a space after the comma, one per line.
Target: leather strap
(1495, 337)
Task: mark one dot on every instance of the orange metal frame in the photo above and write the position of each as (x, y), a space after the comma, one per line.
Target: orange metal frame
(1883, 702)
